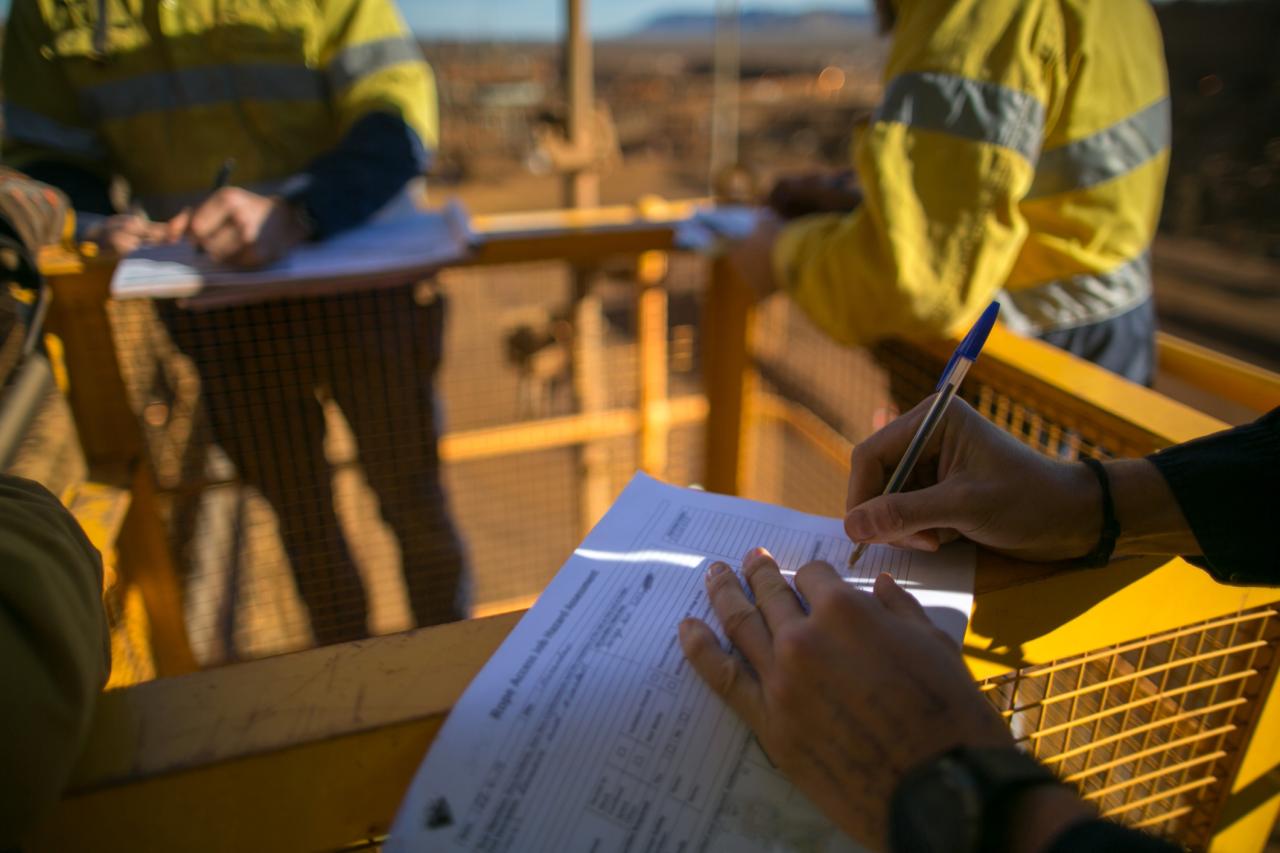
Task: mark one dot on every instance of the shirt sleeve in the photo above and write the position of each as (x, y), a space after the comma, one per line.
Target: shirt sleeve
(46, 134)
(1102, 836)
(372, 64)
(947, 157)
(383, 93)
(54, 649)
(1225, 485)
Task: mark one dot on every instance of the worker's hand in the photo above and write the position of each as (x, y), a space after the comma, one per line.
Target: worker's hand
(239, 227)
(752, 257)
(126, 232)
(973, 480)
(816, 192)
(846, 698)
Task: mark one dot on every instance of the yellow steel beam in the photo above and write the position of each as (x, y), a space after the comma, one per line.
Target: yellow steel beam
(1064, 383)
(1221, 375)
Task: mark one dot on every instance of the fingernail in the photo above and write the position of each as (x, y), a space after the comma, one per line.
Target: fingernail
(716, 569)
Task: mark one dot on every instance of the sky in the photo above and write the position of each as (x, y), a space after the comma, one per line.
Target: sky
(487, 19)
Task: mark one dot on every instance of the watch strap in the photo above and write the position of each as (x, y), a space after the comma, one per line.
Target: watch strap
(985, 784)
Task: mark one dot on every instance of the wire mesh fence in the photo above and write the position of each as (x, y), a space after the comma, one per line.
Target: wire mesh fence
(1152, 730)
(365, 463)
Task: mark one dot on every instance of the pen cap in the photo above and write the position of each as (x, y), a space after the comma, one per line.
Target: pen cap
(971, 346)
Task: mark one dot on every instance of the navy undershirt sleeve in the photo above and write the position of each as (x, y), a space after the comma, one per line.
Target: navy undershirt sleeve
(345, 186)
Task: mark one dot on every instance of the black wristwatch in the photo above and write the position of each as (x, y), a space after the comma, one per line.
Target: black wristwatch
(958, 802)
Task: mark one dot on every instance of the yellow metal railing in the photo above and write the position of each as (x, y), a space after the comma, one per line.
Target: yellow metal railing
(1147, 684)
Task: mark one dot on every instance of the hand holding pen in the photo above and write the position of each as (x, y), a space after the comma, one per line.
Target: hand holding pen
(952, 375)
(241, 228)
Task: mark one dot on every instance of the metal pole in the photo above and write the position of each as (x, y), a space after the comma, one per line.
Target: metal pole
(582, 187)
(724, 105)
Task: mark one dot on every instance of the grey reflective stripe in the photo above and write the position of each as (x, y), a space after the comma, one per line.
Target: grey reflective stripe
(1107, 154)
(35, 128)
(361, 60)
(203, 86)
(970, 109)
(1079, 300)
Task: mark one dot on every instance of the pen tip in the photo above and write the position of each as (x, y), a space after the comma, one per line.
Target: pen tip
(857, 552)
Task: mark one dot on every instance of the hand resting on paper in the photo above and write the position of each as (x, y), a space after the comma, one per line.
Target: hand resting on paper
(241, 228)
(127, 232)
(846, 698)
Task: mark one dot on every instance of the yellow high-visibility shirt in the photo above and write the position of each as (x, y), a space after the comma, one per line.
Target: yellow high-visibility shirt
(1021, 149)
(162, 92)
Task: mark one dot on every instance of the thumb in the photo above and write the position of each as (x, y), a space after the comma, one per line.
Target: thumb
(890, 518)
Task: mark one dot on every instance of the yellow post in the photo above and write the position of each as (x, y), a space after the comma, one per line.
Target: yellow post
(726, 365)
(590, 390)
(114, 448)
(651, 344)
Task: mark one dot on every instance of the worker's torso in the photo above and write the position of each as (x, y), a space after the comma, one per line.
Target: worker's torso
(175, 87)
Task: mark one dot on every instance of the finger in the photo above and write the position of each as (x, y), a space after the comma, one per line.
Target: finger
(722, 672)
(874, 459)
(742, 622)
(817, 579)
(177, 226)
(122, 243)
(897, 600)
(925, 540)
(224, 243)
(894, 518)
(134, 226)
(774, 596)
(210, 215)
(250, 256)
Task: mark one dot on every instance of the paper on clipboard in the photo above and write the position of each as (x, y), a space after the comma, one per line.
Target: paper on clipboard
(390, 249)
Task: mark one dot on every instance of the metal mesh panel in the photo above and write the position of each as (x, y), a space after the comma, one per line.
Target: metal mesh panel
(295, 443)
(1150, 731)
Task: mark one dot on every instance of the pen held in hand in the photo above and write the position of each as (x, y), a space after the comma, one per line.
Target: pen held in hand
(952, 375)
(220, 180)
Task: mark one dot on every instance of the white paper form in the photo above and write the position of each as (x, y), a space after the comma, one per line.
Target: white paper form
(588, 731)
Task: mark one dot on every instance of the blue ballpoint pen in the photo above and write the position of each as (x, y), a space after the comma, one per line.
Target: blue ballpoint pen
(952, 375)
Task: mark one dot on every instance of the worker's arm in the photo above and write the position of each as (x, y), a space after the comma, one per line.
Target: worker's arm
(943, 164)
(384, 95)
(54, 649)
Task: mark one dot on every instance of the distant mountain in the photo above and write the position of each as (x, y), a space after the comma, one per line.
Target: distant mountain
(762, 24)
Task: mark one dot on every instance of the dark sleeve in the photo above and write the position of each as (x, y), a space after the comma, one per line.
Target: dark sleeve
(54, 650)
(1226, 485)
(345, 186)
(1103, 836)
(88, 192)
